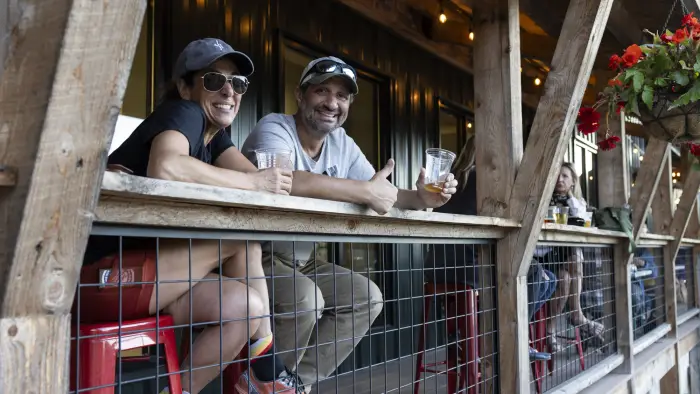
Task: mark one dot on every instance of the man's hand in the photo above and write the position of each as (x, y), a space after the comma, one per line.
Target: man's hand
(382, 194)
(272, 180)
(435, 200)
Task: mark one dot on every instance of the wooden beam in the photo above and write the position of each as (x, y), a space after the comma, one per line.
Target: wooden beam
(498, 115)
(686, 205)
(553, 124)
(60, 94)
(499, 149)
(623, 308)
(662, 201)
(647, 181)
(613, 171)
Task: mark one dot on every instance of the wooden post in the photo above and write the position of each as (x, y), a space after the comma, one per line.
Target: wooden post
(670, 383)
(613, 191)
(61, 85)
(499, 148)
(613, 171)
(552, 129)
(662, 201)
(647, 181)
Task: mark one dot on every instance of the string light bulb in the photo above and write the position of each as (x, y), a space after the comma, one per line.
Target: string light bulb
(641, 158)
(471, 36)
(469, 125)
(538, 81)
(675, 180)
(442, 17)
(635, 150)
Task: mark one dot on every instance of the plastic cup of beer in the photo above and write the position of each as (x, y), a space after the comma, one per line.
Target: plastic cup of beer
(563, 215)
(274, 158)
(551, 215)
(438, 163)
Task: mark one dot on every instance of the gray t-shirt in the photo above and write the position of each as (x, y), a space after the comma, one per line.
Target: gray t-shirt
(340, 158)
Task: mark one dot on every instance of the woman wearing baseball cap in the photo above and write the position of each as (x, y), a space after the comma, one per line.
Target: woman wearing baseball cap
(184, 139)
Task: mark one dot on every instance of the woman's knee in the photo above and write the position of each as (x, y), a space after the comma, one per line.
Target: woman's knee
(240, 301)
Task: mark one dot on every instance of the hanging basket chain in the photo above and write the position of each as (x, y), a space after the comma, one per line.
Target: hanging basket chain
(684, 10)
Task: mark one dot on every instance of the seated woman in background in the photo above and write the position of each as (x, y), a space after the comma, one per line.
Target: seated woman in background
(458, 263)
(185, 140)
(567, 263)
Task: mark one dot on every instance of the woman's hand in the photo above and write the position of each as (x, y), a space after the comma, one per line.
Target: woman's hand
(272, 180)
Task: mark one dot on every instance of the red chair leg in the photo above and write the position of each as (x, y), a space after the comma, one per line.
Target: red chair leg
(421, 345)
(98, 359)
(167, 338)
(580, 348)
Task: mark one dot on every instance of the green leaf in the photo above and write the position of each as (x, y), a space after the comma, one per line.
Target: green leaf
(680, 78)
(638, 81)
(696, 67)
(661, 82)
(684, 65)
(648, 96)
(633, 105)
(661, 64)
(691, 96)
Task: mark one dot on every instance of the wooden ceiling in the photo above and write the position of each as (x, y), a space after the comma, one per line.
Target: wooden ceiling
(541, 22)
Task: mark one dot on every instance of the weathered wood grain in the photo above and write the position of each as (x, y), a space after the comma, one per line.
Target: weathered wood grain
(613, 171)
(662, 201)
(63, 79)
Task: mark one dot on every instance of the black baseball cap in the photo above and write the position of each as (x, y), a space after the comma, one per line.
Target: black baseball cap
(202, 53)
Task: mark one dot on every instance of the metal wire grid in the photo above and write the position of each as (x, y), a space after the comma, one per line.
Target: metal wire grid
(684, 284)
(648, 299)
(576, 323)
(396, 265)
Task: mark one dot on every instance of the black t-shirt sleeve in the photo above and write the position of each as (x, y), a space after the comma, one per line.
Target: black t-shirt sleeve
(184, 116)
(219, 144)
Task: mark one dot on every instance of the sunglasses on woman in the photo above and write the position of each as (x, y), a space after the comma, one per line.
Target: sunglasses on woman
(213, 82)
(332, 67)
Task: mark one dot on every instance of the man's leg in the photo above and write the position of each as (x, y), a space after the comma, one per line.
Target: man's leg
(295, 317)
(347, 295)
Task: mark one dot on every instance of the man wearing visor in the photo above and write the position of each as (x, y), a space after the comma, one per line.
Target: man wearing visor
(328, 165)
(200, 282)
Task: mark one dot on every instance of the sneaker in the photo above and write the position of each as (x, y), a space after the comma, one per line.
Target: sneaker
(539, 356)
(287, 382)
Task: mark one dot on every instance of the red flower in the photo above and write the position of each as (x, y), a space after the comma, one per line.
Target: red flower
(695, 150)
(632, 55)
(609, 143)
(588, 120)
(689, 20)
(614, 62)
(680, 35)
(620, 107)
(614, 82)
(666, 37)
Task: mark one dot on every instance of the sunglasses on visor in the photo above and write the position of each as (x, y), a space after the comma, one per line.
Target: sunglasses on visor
(213, 82)
(331, 67)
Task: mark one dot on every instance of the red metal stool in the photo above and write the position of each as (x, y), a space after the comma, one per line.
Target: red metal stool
(464, 363)
(231, 373)
(538, 340)
(98, 352)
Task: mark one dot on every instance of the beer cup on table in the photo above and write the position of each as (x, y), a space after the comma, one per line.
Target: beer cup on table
(274, 158)
(563, 215)
(438, 163)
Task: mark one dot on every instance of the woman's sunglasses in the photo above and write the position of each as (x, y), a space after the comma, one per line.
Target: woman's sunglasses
(330, 66)
(213, 82)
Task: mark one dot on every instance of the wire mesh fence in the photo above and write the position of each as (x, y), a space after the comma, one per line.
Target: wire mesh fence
(175, 311)
(647, 289)
(572, 311)
(684, 280)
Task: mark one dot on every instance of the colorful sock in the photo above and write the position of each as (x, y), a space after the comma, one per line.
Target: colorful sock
(266, 365)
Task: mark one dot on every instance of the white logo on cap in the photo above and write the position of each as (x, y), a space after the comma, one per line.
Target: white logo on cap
(218, 45)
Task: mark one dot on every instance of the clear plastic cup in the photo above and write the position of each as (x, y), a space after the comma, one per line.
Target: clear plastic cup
(438, 163)
(563, 215)
(274, 158)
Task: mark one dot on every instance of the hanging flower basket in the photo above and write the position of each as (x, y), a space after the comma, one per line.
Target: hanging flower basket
(659, 83)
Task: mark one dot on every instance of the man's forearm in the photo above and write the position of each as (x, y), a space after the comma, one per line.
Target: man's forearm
(307, 184)
(408, 199)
